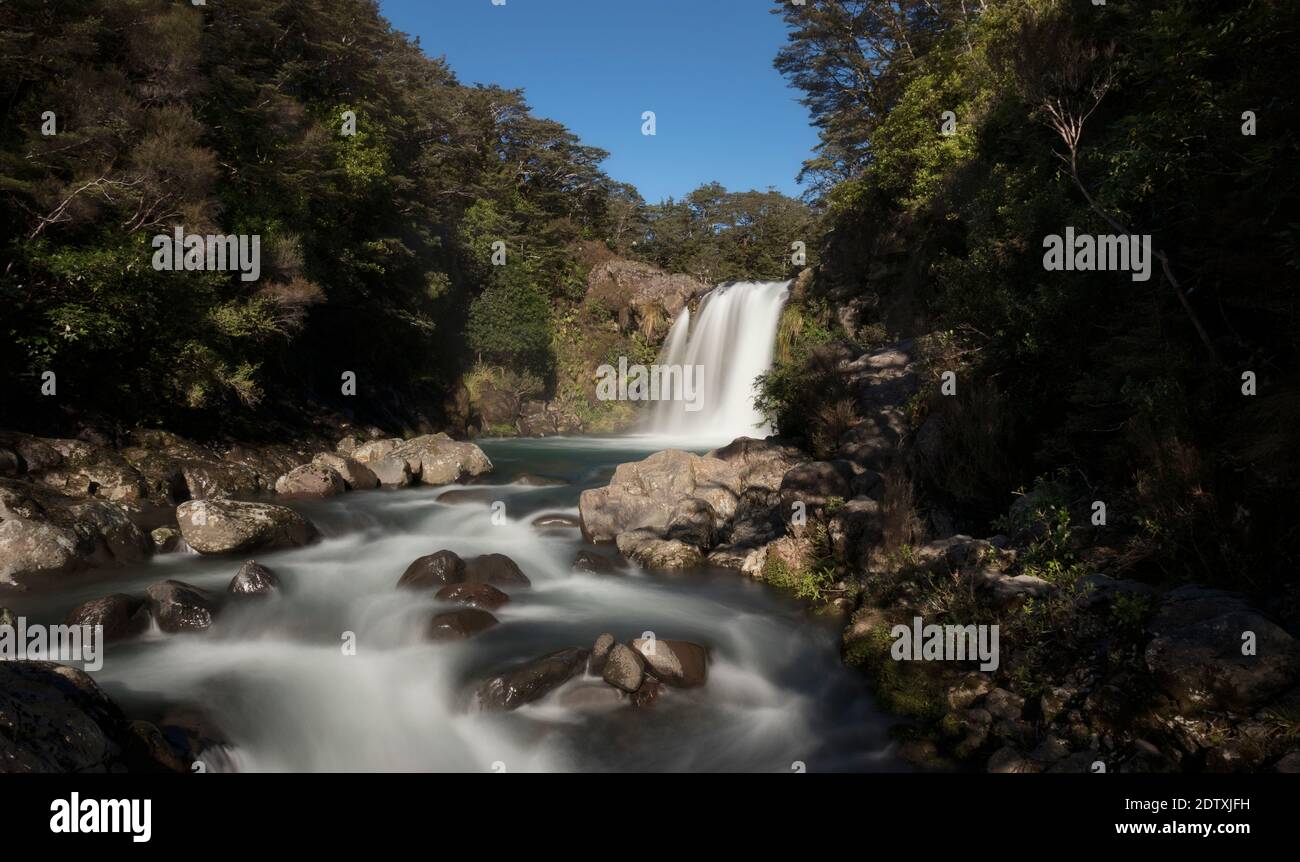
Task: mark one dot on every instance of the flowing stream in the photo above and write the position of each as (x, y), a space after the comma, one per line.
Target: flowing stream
(274, 678)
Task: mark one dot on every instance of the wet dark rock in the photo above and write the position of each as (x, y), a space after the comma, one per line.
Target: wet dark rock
(648, 693)
(122, 616)
(432, 571)
(530, 681)
(254, 579)
(460, 624)
(494, 569)
(165, 539)
(468, 495)
(179, 607)
(483, 596)
(54, 718)
(594, 564)
(555, 520)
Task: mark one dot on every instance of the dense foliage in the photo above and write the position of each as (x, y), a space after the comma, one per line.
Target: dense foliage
(1112, 119)
(229, 118)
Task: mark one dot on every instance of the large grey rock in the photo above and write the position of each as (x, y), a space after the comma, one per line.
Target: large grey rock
(355, 475)
(228, 526)
(624, 668)
(646, 549)
(599, 654)
(677, 663)
(436, 459)
(33, 549)
(310, 480)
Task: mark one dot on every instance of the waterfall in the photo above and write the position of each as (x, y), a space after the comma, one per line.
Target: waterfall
(731, 341)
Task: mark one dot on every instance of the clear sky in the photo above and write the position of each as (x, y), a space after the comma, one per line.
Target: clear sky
(703, 66)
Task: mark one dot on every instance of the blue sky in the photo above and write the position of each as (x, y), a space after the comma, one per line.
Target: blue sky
(703, 66)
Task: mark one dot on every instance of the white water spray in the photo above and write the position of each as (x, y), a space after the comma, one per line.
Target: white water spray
(732, 339)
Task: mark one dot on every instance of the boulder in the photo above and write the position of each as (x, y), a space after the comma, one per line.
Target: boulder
(165, 539)
(57, 719)
(624, 668)
(112, 530)
(694, 522)
(677, 663)
(530, 681)
(1197, 655)
(310, 480)
(122, 616)
(391, 471)
(253, 579)
(494, 569)
(433, 571)
(555, 521)
(219, 480)
(436, 459)
(35, 549)
(643, 494)
(496, 406)
(594, 564)
(535, 420)
(374, 450)
(179, 607)
(482, 596)
(815, 484)
(460, 624)
(599, 654)
(646, 549)
(229, 527)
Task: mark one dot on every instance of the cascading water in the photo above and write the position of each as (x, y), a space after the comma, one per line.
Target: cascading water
(731, 342)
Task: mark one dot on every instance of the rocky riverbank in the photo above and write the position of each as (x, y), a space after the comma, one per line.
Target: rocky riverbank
(1096, 672)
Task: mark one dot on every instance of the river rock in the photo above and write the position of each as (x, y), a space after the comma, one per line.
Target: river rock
(114, 533)
(35, 549)
(253, 579)
(648, 693)
(165, 539)
(310, 480)
(230, 527)
(483, 596)
(481, 496)
(594, 564)
(494, 569)
(592, 697)
(219, 480)
(643, 494)
(530, 681)
(599, 654)
(436, 459)
(122, 616)
(533, 480)
(179, 607)
(461, 624)
(676, 663)
(391, 471)
(434, 570)
(355, 475)
(624, 668)
(1196, 657)
(555, 520)
(58, 720)
(646, 548)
